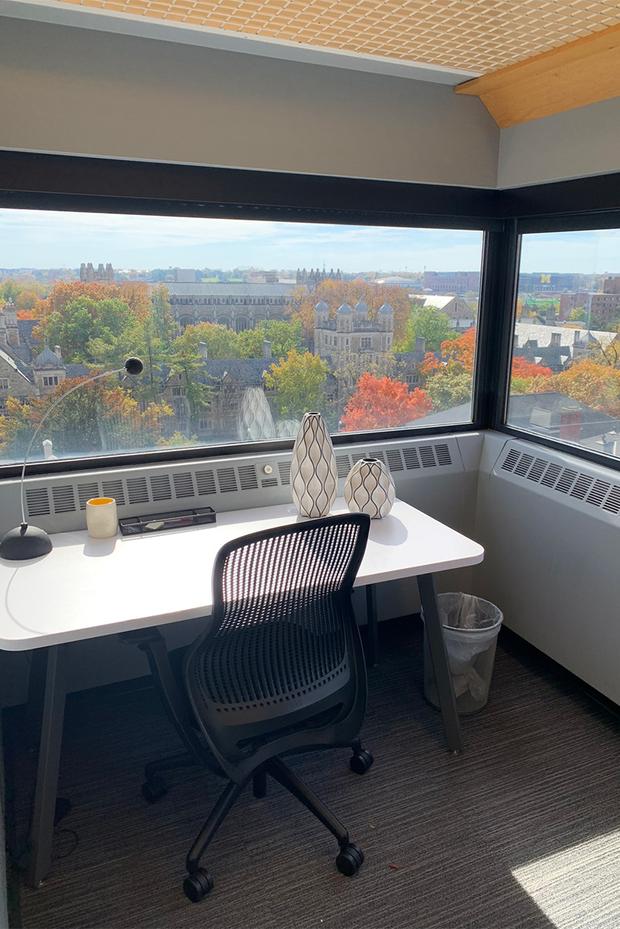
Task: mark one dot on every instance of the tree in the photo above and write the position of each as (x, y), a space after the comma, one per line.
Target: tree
(98, 418)
(84, 320)
(428, 323)
(298, 382)
(461, 350)
(282, 334)
(577, 314)
(594, 385)
(335, 293)
(381, 402)
(220, 341)
(449, 386)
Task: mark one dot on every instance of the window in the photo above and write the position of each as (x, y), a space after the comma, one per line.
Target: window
(4, 383)
(565, 375)
(394, 348)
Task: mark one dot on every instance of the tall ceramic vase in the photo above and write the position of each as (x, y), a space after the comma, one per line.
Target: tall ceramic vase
(369, 488)
(314, 476)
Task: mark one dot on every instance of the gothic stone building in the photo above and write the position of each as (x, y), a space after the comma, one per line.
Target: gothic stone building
(238, 306)
(352, 333)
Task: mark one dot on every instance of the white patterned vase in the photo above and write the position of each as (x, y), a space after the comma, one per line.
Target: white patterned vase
(369, 488)
(314, 476)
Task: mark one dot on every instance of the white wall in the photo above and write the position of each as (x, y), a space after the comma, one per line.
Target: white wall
(77, 91)
(578, 143)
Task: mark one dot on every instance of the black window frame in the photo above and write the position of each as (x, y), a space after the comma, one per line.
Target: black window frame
(534, 224)
(88, 184)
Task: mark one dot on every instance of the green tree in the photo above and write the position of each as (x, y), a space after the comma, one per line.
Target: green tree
(220, 341)
(578, 314)
(449, 386)
(85, 320)
(298, 382)
(282, 334)
(9, 291)
(428, 323)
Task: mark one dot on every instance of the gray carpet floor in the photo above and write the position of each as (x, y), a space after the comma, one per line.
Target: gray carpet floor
(520, 832)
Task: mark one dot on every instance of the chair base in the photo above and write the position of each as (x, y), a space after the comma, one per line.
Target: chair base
(199, 883)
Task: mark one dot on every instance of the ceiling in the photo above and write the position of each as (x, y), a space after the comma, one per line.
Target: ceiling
(473, 35)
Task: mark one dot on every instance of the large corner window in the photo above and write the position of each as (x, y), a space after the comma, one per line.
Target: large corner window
(565, 376)
(242, 327)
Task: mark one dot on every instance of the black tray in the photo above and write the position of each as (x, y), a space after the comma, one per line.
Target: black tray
(157, 522)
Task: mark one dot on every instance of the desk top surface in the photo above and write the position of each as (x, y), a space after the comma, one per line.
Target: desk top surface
(86, 587)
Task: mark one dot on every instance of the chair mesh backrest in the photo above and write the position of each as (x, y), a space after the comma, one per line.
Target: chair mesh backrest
(282, 604)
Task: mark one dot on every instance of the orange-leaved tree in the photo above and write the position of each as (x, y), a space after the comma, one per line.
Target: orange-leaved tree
(461, 350)
(595, 385)
(380, 402)
(101, 417)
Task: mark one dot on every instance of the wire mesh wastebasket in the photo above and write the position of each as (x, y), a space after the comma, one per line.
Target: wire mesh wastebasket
(470, 628)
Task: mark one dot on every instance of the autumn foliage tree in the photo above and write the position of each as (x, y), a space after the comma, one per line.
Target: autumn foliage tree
(100, 417)
(381, 402)
(595, 385)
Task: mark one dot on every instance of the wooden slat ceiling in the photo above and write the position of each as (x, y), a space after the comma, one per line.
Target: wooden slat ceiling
(473, 35)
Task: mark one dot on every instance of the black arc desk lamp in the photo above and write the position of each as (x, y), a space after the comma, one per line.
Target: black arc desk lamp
(25, 541)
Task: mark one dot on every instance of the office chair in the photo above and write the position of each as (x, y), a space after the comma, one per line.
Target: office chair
(280, 669)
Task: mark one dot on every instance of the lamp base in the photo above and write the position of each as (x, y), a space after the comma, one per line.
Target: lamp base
(24, 542)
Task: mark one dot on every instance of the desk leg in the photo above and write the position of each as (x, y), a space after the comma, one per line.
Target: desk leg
(439, 658)
(372, 626)
(48, 764)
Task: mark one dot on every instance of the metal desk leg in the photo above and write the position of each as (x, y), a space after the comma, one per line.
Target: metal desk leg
(372, 627)
(439, 658)
(44, 805)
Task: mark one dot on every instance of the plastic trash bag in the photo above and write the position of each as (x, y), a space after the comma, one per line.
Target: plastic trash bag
(470, 627)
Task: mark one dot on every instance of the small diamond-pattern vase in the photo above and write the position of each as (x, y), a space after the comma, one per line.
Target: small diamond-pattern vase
(314, 476)
(369, 488)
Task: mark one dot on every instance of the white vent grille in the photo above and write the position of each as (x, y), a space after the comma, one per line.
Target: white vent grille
(205, 481)
(184, 485)
(284, 469)
(37, 501)
(160, 487)
(137, 491)
(577, 485)
(87, 492)
(247, 477)
(64, 499)
(114, 489)
(227, 479)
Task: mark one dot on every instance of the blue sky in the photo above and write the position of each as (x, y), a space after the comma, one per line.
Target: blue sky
(42, 239)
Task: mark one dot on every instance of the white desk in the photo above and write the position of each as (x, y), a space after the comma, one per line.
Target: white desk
(86, 588)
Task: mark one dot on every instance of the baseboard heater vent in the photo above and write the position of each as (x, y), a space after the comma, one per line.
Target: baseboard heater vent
(586, 485)
(231, 483)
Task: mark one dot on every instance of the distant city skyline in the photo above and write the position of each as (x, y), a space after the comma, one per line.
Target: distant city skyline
(52, 239)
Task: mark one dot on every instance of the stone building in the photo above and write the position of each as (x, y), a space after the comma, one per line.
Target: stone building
(9, 327)
(315, 276)
(101, 274)
(48, 370)
(14, 380)
(238, 306)
(352, 333)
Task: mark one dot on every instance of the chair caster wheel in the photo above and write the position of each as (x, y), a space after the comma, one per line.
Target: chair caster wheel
(350, 859)
(361, 761)
(196, 886)
(154, 789)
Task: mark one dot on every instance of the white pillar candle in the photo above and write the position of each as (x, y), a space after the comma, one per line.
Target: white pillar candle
(101, 519)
